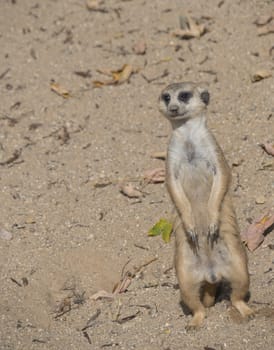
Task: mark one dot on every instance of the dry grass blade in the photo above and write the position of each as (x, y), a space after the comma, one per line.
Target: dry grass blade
(254, 235)
(102, 294)
(123, 285)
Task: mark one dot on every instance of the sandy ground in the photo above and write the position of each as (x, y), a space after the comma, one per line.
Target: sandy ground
(62, 162)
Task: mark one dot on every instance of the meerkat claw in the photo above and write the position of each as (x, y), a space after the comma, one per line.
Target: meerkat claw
(192, 236)
(213, 234)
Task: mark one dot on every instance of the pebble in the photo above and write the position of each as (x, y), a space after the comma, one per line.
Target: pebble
(5, 234)
(260, 200)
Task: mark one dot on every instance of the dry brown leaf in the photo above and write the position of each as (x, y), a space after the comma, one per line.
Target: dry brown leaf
(260, 75)
(130, 191)
(254, 235)
(264, 19)
(119, 76)
(156, 175)
(268, 147)
(189, 29)
(59, 90)
(140, 47)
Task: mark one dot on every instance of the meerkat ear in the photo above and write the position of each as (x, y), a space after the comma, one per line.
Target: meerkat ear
(205, 97)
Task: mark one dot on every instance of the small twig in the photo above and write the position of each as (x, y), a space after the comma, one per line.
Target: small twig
(4, 73)
(123, 269)
(16, 282)
(16, 154)
(90, 322)
(85, 334)
(138, 269)
(128, 318)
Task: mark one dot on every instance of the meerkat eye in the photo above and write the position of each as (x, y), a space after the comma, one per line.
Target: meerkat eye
(166, 97)
(184, 96)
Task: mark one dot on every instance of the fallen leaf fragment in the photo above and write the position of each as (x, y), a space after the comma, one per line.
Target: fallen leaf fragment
(189, 29)
(95, 5)
(119, 76)
(130, 191)
(59, 90)
(254, 235)
(267, 29)
(162, 227)
(268, 147)
(260, 75)
(154, 176)
(159, 155)
(140, 47)
(260, 200)
(6, 235)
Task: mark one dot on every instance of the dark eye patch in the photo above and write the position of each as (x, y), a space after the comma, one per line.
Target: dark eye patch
(185, 96)
(166, 97)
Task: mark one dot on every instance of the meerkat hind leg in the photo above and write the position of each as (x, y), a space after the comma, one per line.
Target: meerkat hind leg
(239, 289)
(191, 298)
(237, 299)
(209, 294)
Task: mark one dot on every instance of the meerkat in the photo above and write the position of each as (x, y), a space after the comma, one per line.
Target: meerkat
(208, 248)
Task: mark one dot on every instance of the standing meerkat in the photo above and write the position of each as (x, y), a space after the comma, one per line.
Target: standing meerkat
(208, 247)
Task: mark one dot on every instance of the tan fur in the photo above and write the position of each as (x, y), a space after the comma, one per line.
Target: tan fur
(208, 246)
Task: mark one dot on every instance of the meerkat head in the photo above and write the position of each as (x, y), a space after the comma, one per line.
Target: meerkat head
(183, 101)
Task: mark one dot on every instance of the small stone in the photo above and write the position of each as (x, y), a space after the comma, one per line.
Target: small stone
(5, 234)
(260, 200)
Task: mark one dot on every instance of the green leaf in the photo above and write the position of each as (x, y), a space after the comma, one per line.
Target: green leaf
(162, 227)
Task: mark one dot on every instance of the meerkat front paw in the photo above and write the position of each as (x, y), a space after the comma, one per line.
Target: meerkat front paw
(213, 234)
(192, 237)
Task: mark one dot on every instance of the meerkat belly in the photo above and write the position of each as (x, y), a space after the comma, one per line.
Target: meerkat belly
(195, 170)
(210, 265)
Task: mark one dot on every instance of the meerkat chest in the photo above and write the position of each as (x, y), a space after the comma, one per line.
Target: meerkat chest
(192, 148)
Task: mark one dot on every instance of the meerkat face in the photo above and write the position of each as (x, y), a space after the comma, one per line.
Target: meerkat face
(183, 101)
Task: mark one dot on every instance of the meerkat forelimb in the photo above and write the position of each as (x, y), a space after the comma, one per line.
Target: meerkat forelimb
(208, 248)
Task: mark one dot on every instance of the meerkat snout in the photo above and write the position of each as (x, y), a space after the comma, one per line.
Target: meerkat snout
(183, 100)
